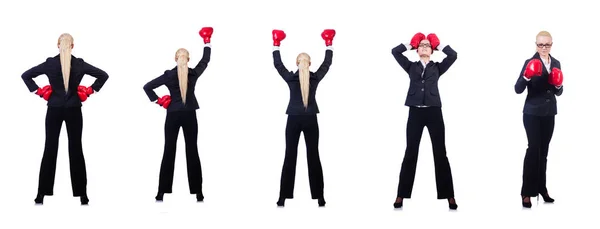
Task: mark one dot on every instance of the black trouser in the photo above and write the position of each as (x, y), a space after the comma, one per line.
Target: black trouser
(295, 125)
(539, 131)
(418, 118)
(54, 118)
(188, 121)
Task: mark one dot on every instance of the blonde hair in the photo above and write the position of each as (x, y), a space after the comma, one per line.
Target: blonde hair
(543, 33)
(65, 42)
(182, 57)
(303, 61)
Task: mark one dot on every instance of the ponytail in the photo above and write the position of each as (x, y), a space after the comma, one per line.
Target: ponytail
(182, 58)
(65, 45)
(303, 61)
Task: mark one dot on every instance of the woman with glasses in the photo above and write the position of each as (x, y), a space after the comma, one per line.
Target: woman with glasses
(425, 111)
(542, 76)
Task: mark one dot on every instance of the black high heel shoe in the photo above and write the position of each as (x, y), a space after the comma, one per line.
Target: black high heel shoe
(84, 200)
(525, 204)
(398, 204)
(547, 198)
(159, 197)
(281, 202)
(199, 197)
(322, 202)
(452, 203)
(39, 199)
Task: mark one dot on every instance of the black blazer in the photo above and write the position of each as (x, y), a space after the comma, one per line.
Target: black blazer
(51, 68)
(541, 95)
(423, 90)
(170, 80)
(295, 105)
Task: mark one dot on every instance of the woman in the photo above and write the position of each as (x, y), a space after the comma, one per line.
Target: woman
(65, 97)
(181, 108)
(425, 104)
(542, 77)
(302, 117)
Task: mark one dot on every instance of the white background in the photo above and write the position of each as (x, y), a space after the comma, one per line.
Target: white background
(242, 113)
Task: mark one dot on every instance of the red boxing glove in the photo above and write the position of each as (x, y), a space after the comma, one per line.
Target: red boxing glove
(534, 68)
(556, 77)
(278, 36)
(327, 36)
(206, 33)
(84, 92)
(433, 40)
(44, 92)
(164, 101)
(416, 39)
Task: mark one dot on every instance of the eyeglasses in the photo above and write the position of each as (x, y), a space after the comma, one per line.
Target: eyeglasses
(544, 45)
(425, 45)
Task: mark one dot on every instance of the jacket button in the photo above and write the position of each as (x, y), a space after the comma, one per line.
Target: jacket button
(547, 100)
(422, 81)
(422, 89)
(548, 91)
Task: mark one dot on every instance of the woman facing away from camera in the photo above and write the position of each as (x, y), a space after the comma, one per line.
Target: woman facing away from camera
(181, 106)
(65, 97)
(302, 113)
(541, 75)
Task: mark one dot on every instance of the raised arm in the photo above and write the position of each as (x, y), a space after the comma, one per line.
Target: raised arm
(398, 53)
(278, 36)
(327, 35)
(206, 34)
(324, 68)
(450, 58)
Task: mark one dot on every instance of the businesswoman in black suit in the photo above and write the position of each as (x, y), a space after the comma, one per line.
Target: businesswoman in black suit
(302, 113)
(542, 76)
(425, 111)
(65, 97)
(181, 107)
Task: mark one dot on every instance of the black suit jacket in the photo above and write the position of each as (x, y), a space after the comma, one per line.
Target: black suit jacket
(423, 90)
(541, 95)
(52, 68)
(295, 105)
(170, 80)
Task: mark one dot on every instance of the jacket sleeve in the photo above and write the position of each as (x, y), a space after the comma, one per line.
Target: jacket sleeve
(450, 58)
(283, 72)
(99, 74)
(201, 66)
(558, 91)
(522, 82)
(155, 83)
(398, 53)
(34, 72)
(324, 68)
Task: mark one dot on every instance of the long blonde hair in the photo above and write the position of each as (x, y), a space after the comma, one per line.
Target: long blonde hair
(182, 57)
(65, 45)
(303, 61)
